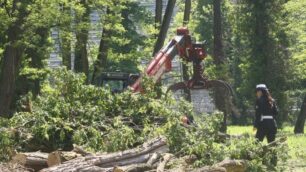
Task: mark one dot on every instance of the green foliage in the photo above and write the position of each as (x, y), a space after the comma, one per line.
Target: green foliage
(70, 112)
(295, 29)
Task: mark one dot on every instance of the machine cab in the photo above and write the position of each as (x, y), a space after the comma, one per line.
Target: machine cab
(116, 81)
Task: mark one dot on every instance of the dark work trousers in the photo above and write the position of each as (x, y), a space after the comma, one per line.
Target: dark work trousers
(267, 128)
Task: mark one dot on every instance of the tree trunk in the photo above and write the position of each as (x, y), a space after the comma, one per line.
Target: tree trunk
(187, 11)
(300, 122)
(66, 50)
(158, 13)
(64, 32)
(218, 46)
(103, 52)
(9, 70)
(186, 19)
(34, 160)
(164, 27)
(132, 156)
(38, 55)
(220, 100)
(81, 57)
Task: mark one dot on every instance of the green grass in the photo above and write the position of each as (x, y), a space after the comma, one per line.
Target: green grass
(296, 144)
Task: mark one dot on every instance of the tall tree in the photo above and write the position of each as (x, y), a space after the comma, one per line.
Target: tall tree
(300, 121)
(187, 11)
(219, 60)
(65, 34)
(83, 23)
(121, 38)
(165, 26)
(20, 36)
(12, 54)
(103, 49)
(268, 60)
(158, 13)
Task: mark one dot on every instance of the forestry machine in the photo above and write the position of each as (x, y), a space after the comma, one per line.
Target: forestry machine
(190, 51)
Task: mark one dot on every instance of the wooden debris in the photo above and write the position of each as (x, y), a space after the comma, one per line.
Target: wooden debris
(137, 155)
(162, 165)
(79, 150)
(33, 160)
(233, 165)
(210, 169)
(58, 157)
(133, 168)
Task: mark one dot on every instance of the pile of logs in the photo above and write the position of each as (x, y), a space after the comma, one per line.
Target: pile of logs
(152, 156)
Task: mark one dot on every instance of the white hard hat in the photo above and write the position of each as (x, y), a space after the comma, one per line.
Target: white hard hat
(261, 86)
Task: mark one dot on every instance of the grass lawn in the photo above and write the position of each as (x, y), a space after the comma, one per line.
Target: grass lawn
(296, 143)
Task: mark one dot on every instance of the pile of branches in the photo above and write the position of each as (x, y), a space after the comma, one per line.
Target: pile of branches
(118, 132)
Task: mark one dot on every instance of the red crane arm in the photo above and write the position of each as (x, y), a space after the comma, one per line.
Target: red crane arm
(180, 45)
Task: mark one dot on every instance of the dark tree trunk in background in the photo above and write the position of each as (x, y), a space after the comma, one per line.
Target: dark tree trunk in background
(158, 13)
(186, 19)
(81, 57)
(9, 69)
(11, 59)
(38, 55)
(66, 51)
(187, 11)
(103, 52)
(300, 122)
(164, 27)
(218, 56)
(218, 46)
(65, 43)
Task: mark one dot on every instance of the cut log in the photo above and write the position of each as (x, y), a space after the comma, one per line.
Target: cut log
(162, 165)
(190, 159)
(210, 169)
(233, 165)
(137, 155)
(34, 160)
(133, 168)
(79, 150)
(58, 157)
(154, 158)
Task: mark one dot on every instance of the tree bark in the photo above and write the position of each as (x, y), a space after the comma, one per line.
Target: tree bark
(164, 27)
(103, 52)
(132, 156)
(64, 33)
(300, 121)
(186, 19)
(158, 13)
(66, 50)
(81, 57)
(210, 169)
(133, 168)
(218, 45)
(220, 100)
(162, 165)
(34, 160)
(233, 165)
(10, 67)
(58, 157)
(38, 54)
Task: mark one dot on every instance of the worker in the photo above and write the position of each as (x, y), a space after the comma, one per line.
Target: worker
(187, 120)
(266, 112)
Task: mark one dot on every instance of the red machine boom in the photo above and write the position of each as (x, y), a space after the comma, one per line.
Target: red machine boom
(181, 45)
